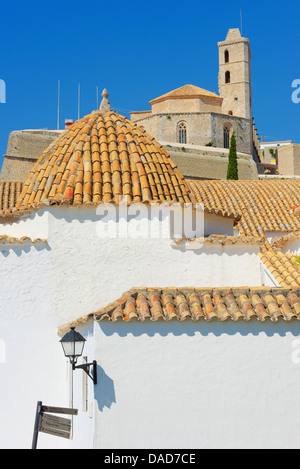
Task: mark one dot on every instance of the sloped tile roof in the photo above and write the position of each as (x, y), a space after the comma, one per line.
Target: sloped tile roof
(186, 91)
(9, 193)
(5, 239)
(296, 210)
(102, 158)
(264, 205)
(199, 304)
(281, 265)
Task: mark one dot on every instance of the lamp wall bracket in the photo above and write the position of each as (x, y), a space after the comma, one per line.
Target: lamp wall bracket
(89, 368)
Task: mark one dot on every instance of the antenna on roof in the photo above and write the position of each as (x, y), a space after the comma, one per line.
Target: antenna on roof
(58, 104)
(97, 93)
(241, 14)
(78, 101)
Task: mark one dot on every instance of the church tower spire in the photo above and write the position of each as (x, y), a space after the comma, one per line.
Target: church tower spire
(235, 75)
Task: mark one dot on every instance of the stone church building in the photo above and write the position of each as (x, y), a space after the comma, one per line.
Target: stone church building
(191, 115)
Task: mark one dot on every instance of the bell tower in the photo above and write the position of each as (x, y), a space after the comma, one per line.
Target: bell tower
(235, 75)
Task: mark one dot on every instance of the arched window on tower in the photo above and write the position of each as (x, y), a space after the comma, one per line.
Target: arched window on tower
(182, 132)
(227, 135)
(227, 77)
(226, 56)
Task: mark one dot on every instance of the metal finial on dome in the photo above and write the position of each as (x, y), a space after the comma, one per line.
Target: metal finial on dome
(105, 104)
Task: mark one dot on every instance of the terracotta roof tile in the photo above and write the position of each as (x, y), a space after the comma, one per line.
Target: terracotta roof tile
(264, 205)
(9, 193)
(99, 159)
(5, 239)
(281, 265)
(187, 91)
(197, 304)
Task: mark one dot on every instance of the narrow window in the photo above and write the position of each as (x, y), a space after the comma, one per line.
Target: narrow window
(182, 133)
(226, 56)
(226, 136)
(84, 388)
(227, 77)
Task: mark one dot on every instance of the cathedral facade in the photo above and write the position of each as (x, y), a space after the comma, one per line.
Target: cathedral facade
(194, 116)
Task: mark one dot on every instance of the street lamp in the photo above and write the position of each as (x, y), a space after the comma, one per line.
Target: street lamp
(73, 345)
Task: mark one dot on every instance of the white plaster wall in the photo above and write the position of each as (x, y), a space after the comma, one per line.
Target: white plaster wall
(268, 278)
(76, 273)
(89, 269)
(197, 385)
(32, 368)
(83, 428)
(34, 225)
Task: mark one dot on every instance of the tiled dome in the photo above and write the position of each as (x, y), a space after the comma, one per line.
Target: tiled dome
(100, 158)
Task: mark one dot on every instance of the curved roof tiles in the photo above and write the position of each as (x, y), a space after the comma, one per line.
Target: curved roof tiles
(9, 193)
(198, 304)
(265, 206)
(187, 91)
(101, 158)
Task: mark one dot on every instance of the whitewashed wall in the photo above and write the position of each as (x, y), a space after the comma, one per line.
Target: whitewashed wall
(170, 385)
(86, 268)
(76, 273)
(204, 385)
(33, 367)
(268, 278)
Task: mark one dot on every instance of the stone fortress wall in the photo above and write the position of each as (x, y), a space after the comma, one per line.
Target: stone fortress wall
(23, 149)
(194, 161)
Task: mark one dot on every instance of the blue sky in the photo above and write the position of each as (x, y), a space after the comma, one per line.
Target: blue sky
(138, 51)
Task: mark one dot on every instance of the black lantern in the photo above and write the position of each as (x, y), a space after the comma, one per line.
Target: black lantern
(73, 345)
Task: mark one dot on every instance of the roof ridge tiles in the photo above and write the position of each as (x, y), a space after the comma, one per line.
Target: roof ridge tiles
(200, 304)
